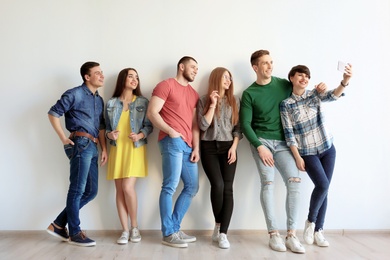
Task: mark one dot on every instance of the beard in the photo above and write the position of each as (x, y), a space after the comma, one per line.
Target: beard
(187, 76)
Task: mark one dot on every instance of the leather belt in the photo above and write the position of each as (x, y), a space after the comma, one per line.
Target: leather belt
(93, 139)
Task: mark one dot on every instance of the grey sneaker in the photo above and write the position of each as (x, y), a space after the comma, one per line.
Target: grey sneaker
(186, 238)
(135, 235)
(174, 241)
(215, 235)
(124, 239)
(276, 243)
(292, 242)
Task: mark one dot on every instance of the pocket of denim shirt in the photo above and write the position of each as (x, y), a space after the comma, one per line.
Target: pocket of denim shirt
(140, 108)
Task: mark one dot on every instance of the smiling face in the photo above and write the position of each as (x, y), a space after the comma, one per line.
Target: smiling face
(299, 76)
(95, 77)
(190, 69)
(300, 81)
(131, 80)
(226, 80)
(264, 67)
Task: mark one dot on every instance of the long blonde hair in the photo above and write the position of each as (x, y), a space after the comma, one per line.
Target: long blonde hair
(215, 80)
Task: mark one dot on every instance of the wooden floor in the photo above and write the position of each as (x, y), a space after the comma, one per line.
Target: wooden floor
(244, 245)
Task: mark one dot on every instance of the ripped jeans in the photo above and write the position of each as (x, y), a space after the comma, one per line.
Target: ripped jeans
(285, 164)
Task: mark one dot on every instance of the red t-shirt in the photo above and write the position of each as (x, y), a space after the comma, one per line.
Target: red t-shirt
(178, 109)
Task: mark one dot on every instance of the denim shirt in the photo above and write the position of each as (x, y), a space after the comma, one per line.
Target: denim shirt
(138, 120)
(83, 110)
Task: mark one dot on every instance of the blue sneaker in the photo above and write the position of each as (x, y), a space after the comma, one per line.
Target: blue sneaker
(61, 233)
(81, 239)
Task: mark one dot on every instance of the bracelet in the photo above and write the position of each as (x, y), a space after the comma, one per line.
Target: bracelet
(107, 136)
(342, 84)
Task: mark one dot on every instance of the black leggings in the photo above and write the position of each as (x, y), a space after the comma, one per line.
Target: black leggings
(214, 157)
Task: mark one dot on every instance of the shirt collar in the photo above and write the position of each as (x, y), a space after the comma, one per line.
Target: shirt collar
(88, 91)
(297, 97)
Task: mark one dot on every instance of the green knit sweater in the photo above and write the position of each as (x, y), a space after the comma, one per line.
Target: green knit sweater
(259, 111)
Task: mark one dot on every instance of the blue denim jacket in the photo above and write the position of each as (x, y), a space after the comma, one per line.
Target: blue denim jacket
(83, 110)
(138, 120)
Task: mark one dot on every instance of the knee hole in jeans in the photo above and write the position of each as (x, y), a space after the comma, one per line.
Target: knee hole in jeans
(294, 179)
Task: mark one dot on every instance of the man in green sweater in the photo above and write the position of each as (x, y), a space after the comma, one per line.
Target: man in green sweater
(261, 124)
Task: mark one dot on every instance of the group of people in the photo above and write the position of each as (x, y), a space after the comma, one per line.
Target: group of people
(282, 120)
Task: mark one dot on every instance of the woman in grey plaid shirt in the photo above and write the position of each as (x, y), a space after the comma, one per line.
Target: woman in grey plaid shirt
(311, 143)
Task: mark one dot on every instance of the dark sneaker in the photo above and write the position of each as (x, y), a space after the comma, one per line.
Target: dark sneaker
(81, 239)
(61, 233)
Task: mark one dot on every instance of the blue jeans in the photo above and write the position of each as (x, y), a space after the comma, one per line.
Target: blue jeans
(176, 165)
(83, 187)
(285, 164)
(320, 170)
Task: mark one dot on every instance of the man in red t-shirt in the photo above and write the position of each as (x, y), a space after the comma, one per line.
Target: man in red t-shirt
(172, 110)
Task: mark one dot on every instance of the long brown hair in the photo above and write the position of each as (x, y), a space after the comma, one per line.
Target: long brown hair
(121, 83)
(215, 83)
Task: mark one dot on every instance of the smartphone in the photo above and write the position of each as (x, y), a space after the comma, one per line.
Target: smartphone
(341, 66)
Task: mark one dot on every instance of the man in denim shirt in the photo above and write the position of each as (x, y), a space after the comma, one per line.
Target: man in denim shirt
(83, 109)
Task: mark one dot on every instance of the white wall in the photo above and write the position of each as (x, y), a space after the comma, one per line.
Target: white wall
(44, 43)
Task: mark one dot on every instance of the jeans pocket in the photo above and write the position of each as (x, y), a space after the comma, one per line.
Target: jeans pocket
(68, 148)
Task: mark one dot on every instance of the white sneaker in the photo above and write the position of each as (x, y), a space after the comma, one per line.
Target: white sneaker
(124, 239)
(223, 242)
(319, 239)
(308, 233)
(276, 243)
(135, 235)
(292, 243)
(215, 235)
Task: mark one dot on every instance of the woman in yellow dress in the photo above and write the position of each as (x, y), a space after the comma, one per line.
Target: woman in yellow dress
(127, 128)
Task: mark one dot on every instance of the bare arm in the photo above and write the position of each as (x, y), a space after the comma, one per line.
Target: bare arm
(345, 81)
(211, 110)
(232, 153)
(155, 106)
(298, 159)
(103, 146)
(195, 139)
(56, 124)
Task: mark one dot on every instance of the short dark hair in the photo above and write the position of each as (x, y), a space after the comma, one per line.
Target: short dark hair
(85, 68)
(299, 69)
(184, 60)
(256, 55)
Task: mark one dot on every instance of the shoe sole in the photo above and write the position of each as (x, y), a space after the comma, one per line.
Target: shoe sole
(121, 243)
(296, 251)
(82, 244)
(223, 247)
(322, 245)
(190, 240)
(135, 240)
(175, 245)
(54, 234)
(278, 250)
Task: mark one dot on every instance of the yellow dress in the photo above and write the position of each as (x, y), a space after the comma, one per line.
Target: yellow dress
(124, 159)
